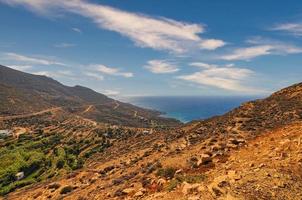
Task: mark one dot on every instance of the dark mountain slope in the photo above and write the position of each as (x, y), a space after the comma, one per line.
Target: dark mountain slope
(26, 93)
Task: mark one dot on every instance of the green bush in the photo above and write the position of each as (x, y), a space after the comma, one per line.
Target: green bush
(172, 185)
(167, 173)
(190, 178)
(66, 189)
(60, 164)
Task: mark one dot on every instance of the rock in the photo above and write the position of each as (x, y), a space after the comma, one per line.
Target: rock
(216, 147)
(138, 194)
(232, 146)
(194, 198)
(129, 191)
(201, 188)
(179, 171)
(190, 188)
(261, 165)
(233, 175)
(205, 159)
(161, 181)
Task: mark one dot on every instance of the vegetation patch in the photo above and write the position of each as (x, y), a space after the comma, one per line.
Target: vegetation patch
(167, 173)
(66, 189)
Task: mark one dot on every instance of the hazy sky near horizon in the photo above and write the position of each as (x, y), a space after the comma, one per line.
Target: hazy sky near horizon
(155, 47)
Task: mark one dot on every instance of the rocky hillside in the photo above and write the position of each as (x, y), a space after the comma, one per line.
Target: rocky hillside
(255, 117)
(23, 93)
(252, 152)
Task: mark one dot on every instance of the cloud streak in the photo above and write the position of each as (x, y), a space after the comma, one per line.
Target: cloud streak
(222, 77)
(64, 45)
(55, 74)
(261, 47)
(291, 28)
(145, 31)
(30, 60)
(112, 71)
(161, 67)
(77, 30)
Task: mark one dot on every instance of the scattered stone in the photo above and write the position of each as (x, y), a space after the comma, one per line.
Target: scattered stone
(161, 181)
(190, 188)
(205, 159)
(138, 194)
(129, 191)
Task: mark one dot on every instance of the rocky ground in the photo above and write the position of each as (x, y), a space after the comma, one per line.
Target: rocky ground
(252, 152)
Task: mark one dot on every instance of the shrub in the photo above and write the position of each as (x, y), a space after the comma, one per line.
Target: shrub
(66, 189)
(172, 185)
(60, 164)
(167, 173)
(190, 178)
(54, 186)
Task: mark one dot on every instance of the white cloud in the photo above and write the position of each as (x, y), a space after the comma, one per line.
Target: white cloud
(161, 67)
(55, 74)
(64, 45)
(23, 68)
(248, 53)
(261, 47)
(30, 60)
(111, 92)
(154, 32)
(203, 65)
(212, 44)
(112, 71)
(77, 30)
(292, 28)
(94, 75)
(223, 77)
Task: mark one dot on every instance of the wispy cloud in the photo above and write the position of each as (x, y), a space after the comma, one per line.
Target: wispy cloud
(55, 74)
(111, 92)
(64, 45)
(223, 77)
(261, 47)
(153, 32)
(94, 76)
(23, 68)
(212, 44)
(112, 71)
(248, 52)
(161, 67)
(77, 30)
(291, 28)
(30, 60)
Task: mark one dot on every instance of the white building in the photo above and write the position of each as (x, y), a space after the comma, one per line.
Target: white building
(19, 176)
(5, 132)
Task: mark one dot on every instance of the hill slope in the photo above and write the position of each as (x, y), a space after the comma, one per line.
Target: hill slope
(252, 152)
(23, 93)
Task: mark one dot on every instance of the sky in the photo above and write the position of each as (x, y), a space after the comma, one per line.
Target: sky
(155, 47)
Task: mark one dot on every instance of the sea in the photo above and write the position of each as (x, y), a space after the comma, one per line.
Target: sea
(186, 108)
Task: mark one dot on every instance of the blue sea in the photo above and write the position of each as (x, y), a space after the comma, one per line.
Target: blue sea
(187, 109)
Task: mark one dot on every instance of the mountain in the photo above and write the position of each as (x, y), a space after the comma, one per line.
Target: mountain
(251, 152)
(255, 117)
(23, 93)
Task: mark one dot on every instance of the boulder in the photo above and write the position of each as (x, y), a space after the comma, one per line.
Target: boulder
(128, 191)
(190, 188)
(205, 159)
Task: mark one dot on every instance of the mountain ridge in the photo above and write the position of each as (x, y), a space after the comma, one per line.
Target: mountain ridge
(43, 92)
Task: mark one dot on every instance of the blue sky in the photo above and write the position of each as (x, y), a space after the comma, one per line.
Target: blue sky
(153, 47)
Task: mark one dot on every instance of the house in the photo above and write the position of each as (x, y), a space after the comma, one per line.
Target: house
(19, 176)
(5, 133)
